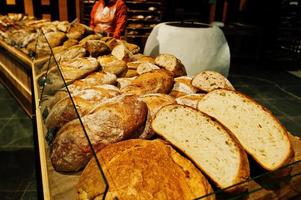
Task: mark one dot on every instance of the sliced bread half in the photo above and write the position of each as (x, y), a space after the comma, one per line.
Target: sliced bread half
(171, 63)
(210, 80)
(258, 131)
(205, 141)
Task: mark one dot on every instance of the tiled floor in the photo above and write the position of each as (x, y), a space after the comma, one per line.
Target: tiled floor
(278, 90)
(17, 161)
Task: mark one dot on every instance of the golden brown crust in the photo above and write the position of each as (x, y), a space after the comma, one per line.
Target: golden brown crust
(141, 169)
(112, 121)
(131, 73)
(171, 63)
(111, 64)
(85, 100)
(156, 81)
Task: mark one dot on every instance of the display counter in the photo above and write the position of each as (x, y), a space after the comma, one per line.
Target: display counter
(16, 73)
(98, 134)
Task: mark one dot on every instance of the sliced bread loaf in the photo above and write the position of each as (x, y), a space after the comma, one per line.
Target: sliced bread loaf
(210, 80)
(258, 131)
(205, 141)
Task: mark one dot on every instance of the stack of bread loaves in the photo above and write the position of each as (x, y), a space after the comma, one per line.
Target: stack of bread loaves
(157, 133)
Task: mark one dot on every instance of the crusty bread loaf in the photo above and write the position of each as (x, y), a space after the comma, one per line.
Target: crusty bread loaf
(70, 43)
(97, 48)
(124, 82)
(71, 70)
(156, 81)
(90, 37)
(113, 65)
(205, 141)
(258, 131)
(114, 120)
(92, 80)
(85, 100)
(131, 73)
(133, 48)
(77, 68)
(191, 100)
(171, 63)
(146, 67)
(211, 80)
(141, 169)
(154, 103)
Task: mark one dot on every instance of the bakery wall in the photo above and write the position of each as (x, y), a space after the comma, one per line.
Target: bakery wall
(46, 9)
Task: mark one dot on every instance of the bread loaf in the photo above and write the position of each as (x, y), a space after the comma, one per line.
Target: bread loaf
(171, 63)
(111, 64)
(141, 169)
(113, 121)
(205, 141)
(70, 43)
(90, 37)
(191, 100)
(131, 73)
(258, 131)
(92, 80)
(124, 82)
(156, 81)
(146, 67)
(154, 103)
(85, 100)
(138, 60)
(210, 80)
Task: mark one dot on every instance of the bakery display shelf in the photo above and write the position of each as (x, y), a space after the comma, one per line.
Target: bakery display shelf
(140, 28)
(144, 11)
(143, 20)
(144, 2)
(137, 36)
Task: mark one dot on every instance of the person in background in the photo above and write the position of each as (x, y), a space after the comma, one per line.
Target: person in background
(109, 17)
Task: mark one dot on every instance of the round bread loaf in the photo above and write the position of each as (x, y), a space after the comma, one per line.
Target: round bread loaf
(141, 169)
(113, 121)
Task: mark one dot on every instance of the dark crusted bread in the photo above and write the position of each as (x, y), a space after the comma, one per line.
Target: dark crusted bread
(113, 121)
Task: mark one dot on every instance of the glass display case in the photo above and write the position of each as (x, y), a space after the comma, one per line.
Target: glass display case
(84, 143)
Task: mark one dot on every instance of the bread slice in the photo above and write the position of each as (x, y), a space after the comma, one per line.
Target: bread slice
(191, 100)
(142, 169)
(258, 131)
(146, 67)
(210, 80)
(205, 141)
(171, 63)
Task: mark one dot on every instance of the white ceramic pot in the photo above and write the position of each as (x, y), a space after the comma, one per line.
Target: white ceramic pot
(199, 46)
